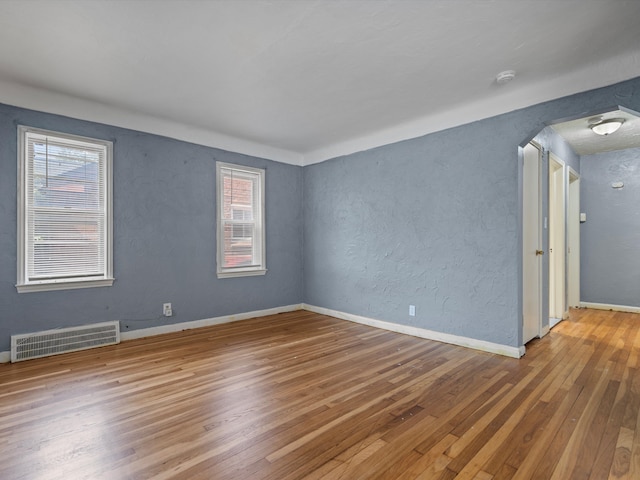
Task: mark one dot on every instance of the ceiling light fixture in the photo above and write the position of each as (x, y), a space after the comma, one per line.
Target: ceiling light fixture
(607, 127)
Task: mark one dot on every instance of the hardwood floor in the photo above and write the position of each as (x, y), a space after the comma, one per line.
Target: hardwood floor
(305, 396)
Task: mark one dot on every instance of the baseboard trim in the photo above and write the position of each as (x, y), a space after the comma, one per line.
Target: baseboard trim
(553, 322)
(206, 322)
(606, 306)
(544, 330)
(5, 357)
(482, 345)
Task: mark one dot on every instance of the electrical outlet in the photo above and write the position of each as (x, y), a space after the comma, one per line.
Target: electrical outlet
(412, 310)
(166, 309)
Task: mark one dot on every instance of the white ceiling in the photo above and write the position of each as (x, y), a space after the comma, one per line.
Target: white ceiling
(303, 81)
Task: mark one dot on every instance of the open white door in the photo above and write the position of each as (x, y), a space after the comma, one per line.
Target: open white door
(531, 244)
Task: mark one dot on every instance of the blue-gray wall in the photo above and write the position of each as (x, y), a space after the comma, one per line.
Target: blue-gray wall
(434, 222)
(419, 223)
(610, 238)
(164, 235)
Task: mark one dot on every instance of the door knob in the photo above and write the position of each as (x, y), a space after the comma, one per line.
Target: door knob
(539, 252)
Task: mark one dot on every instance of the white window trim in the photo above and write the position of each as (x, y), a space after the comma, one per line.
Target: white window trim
(23, 285)
(239, 271)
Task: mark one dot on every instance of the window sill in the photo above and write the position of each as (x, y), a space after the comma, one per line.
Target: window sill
(242, 273)
(59, 285)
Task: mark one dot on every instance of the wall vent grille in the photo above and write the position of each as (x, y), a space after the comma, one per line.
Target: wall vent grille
(63, 340)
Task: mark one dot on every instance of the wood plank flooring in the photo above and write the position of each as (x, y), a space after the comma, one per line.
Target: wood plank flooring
(305, 396)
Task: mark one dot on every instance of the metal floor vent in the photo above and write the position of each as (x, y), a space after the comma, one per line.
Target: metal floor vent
(63, 340)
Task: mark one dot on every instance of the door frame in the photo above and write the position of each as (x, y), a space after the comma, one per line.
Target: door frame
(573, 238)
(558, 310)
(532, 291)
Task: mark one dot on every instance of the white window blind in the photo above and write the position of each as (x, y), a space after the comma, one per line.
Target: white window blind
(240, 220)
(65, 210)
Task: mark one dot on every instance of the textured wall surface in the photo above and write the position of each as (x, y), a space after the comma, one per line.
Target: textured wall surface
(434, 222)
(610, 238)
(408, 224)
(164, 236)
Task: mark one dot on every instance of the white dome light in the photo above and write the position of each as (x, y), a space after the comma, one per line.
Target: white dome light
(607, 127)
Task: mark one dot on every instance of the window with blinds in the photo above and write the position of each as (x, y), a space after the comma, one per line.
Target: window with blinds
(65, 219)
(240, 220)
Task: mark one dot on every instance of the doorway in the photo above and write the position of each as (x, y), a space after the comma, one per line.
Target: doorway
(557, 241)
(560, 212)
(573, 240)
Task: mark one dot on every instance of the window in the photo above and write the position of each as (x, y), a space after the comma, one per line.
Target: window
(64, 211)
(240, 220)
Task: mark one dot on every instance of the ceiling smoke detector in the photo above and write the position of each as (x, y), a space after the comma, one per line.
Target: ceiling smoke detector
(505, 77)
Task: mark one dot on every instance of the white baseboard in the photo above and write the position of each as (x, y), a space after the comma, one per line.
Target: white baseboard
(5, 357)
(207, 322)
(606, 306)
(554, 321)
(514, 352)
(544, 330)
